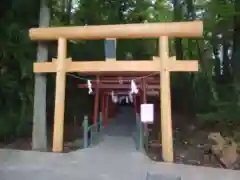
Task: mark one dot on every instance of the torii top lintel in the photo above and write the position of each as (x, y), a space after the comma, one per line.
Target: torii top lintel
(144, 30)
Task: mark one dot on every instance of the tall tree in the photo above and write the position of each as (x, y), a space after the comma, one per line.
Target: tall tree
(39, 136)
(236, 45)
(178, 17)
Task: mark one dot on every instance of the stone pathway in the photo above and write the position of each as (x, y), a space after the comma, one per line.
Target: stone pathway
(115, 158)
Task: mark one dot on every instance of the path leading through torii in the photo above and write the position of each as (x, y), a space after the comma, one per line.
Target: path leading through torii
(115, 158)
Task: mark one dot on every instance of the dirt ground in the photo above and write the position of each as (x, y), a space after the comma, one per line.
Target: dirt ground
(71, 133)
(190, 144)
(187, 151)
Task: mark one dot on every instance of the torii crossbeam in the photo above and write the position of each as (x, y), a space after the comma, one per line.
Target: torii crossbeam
(162, 64)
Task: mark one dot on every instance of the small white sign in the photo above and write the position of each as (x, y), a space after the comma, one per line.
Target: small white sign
(147, 113)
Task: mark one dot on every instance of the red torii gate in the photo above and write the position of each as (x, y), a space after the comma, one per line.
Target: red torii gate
(103, 87)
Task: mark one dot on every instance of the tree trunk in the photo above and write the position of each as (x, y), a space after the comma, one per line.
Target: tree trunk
(236, 43)
(226, 62)
(181, 78)
(69, 11)
(236, 49)
(191, 16)
(217, 61)
(39, 135)
(178, 17)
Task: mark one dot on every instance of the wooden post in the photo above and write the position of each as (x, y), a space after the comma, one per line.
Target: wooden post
(106, 110)
(144, 91)
(135, 103)
(112, 109)
(138, 103)
(165, 98)
(140, 126)
(110, 55)
(144, 101)
(103, 109)
(96, 104)
(60, 96)
(85, 132)
(100, 124)
(110, 49)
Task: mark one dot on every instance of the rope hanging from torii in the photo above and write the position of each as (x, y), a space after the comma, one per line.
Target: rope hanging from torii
(115, 99)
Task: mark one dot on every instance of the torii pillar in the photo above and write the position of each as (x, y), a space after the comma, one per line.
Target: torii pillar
(165, 99)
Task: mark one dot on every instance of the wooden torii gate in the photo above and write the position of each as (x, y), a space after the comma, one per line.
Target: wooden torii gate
(162, 64)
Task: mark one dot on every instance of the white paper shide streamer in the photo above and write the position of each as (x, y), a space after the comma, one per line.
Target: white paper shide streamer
(134, 89)
(127, 99)
(130, 97)
(114, 97)
(90, 91)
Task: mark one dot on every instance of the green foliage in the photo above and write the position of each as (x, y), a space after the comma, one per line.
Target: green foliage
(16, 80)
(215, 96)
(227, 112)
